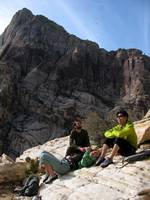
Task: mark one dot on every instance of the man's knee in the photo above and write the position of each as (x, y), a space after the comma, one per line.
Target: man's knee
(109, 142)
(120, 142)
(45, 156)
(44, 152)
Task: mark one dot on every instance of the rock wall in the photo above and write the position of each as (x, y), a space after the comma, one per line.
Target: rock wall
(48, 77)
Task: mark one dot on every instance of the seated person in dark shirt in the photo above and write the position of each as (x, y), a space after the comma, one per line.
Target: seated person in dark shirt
(78, 141)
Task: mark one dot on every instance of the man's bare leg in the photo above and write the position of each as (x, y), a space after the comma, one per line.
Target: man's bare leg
(109, 160)
(102, 155)
(104, 150)
(50, 170)
(114, 151)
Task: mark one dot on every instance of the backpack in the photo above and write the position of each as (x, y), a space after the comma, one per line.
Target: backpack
(138, 156)
(31, 186)
(87, 160)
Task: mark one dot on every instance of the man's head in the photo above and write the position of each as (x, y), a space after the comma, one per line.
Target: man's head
(122, 117)
(77, 125)
(27, 159)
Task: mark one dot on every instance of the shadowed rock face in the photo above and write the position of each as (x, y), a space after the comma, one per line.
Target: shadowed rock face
(48, 77)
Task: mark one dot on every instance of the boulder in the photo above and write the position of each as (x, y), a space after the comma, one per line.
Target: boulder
(11, 171)
(147, 114)
(142, 129)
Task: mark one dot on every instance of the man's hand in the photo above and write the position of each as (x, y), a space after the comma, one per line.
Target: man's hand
(85, 149)
(95, 153)
(82, 149)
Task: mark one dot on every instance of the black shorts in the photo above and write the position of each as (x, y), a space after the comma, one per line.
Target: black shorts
(73, 151)
(126, 149)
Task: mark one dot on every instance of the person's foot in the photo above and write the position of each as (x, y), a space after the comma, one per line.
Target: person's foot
(51, 179)
(21, 193)
(106, 162)
(99, 161)
(17, 189)
(45, 178)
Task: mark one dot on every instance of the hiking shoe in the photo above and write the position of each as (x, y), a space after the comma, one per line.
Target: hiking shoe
(21, 193)
(45, 178)
(106, 162)
(99, 161)
(17, 189)
(51, 179)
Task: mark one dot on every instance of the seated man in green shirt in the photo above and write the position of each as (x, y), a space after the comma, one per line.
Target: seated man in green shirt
(122, 138)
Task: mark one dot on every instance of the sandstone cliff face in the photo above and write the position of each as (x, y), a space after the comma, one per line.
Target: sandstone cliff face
(48, 77)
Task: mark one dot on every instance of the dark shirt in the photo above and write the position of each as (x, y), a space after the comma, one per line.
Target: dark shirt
(80, 139)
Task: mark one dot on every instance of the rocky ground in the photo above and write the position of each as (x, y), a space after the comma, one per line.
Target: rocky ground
(116, 182)
(6, 192)
(112, 183)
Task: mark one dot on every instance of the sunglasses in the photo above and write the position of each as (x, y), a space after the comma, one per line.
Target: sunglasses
(75, 124)
(120, 116)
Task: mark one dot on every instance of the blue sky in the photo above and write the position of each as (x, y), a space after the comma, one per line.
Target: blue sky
(112, 24)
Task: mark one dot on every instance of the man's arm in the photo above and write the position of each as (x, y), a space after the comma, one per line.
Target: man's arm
(72, 140)
(87, 140)
(125, 132)
(110, 133)
(119, 132)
